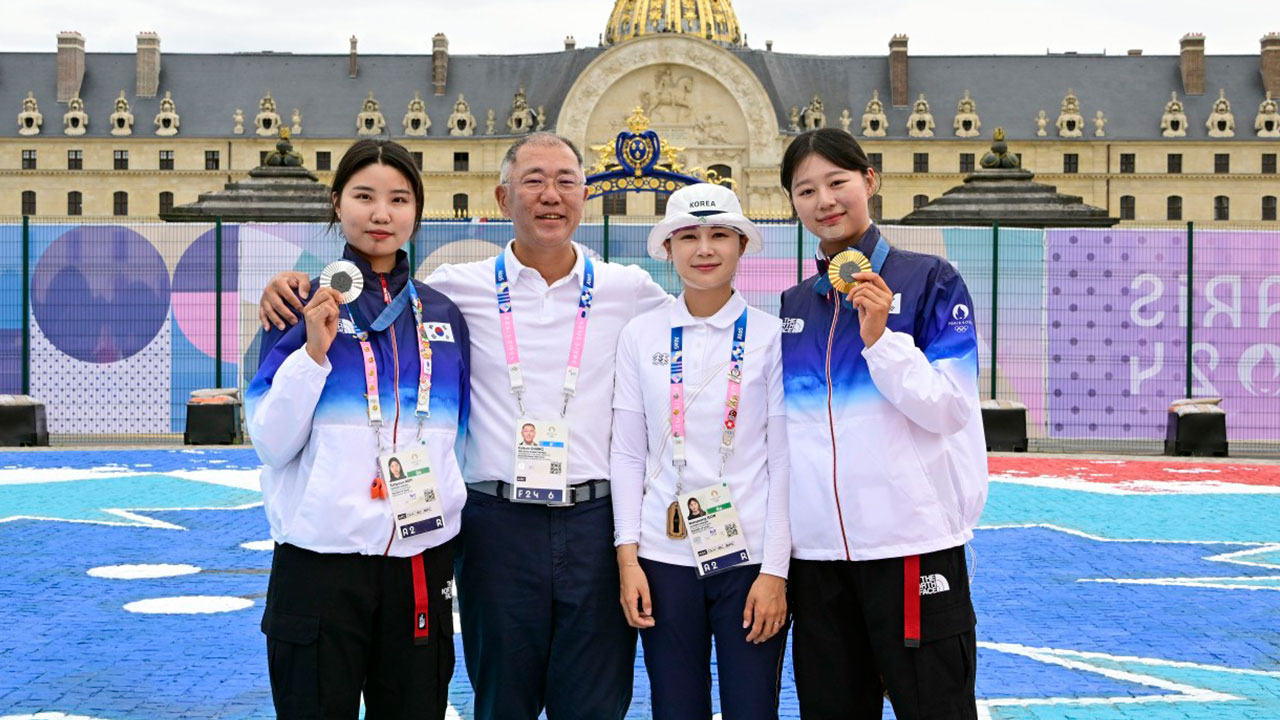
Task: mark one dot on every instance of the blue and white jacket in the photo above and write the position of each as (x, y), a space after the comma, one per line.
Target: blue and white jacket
(888, 457)
(310, 424)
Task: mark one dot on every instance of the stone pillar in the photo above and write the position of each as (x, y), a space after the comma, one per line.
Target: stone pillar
(1192, 64)
(148, 82)
(353, 66)
(1270, 64)
(439, 62)
(70, 64)
(899, 95)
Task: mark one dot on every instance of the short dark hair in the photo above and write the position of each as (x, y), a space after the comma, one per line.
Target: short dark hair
(543, 138)
(836, 146)
(383, 152)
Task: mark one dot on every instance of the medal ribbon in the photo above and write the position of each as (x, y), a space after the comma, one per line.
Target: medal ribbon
(732, 395)
(506, 316)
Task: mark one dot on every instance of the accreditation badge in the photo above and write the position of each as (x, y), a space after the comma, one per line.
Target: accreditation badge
(715, 532)
(412, 490)
(542, 461)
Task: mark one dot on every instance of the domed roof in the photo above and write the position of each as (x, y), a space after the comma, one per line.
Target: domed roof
(712, 20)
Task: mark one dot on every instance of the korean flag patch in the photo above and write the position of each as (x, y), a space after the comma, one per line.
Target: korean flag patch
(439, 332)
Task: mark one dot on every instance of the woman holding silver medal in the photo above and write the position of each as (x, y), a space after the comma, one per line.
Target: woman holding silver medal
(356, 414)
(888, 457)
(699, 472)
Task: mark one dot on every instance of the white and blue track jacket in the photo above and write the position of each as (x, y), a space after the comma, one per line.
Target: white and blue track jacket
(888, 457)
(310, 424)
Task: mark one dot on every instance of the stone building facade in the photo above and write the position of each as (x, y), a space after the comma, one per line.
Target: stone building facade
(1149, 138)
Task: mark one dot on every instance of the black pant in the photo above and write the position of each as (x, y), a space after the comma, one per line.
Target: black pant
(847, 640)
(338, 625)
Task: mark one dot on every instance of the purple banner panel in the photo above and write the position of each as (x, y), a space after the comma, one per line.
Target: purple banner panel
(1117, 330)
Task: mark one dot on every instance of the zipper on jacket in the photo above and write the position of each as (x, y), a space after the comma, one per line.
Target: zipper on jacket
(831, 422)
(395, 364)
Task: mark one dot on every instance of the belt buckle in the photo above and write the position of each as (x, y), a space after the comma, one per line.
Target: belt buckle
(569, 501)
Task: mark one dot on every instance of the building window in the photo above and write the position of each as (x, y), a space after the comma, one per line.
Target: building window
(1071, 162)
(615, 204)
(28, 159)
(323, 160)
(660, 203)
(75, 159)
(876, 160)
(919, 201)
(460, 208)
(1222, 162)
(120, 203)
(1269, 163)
(1221, 208)
(166, 159)
(724, 172)
(1268, 207)
(461, 162)
(75, 203)
(966, 162)
(121, 159)
(28, 202)
(1173, 208)
(1128, 162)
(875, 206)
(166, 201)
(211, 160)
(920, 163)
(1175, 162)
(417, 160)
(1127, 207)
(262, 157)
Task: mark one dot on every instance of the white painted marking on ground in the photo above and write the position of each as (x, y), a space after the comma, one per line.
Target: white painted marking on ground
(1099, 538)
(48, 716)
(189, 605)
(29, 476)
(1234, 557)
(984, 711)
(141, 572)
(259, 545)
(1217, 583)
(241, 479)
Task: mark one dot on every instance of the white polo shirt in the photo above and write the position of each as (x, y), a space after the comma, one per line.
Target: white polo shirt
(544, 320)
(757, 469)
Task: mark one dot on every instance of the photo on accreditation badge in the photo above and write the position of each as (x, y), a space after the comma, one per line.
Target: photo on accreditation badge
(399, 468)
(537, 440)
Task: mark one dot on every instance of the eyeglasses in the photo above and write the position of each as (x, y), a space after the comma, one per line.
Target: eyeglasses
(565, 185)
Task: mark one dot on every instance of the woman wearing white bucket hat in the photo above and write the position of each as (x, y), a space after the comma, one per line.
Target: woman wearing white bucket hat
(699, 422)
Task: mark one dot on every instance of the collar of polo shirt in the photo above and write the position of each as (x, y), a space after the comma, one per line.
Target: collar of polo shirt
(725, 317)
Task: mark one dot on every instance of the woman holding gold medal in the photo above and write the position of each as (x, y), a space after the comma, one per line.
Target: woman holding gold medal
(356, 413)
(699, 472)
(888, 459)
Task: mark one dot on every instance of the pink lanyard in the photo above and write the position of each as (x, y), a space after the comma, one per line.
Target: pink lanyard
(506, 316)
(732, 395)
(423, 409)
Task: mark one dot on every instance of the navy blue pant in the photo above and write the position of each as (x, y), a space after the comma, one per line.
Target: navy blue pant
(541, 625)
(688, 612)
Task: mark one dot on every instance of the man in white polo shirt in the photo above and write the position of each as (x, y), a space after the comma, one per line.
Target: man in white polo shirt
(536, 570)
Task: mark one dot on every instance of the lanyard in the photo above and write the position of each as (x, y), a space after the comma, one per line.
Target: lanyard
(423, 409)
(731, 398)
(506, 316)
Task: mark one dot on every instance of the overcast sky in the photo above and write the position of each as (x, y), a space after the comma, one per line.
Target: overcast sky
(856, 27)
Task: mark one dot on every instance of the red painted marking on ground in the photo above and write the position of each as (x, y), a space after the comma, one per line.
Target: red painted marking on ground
(1125, 471)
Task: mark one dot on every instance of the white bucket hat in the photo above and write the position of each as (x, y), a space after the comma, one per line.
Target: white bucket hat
(703, 204)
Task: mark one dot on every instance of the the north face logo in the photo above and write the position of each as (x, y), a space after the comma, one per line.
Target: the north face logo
(933, 584)
(792, 325)
(422, 621)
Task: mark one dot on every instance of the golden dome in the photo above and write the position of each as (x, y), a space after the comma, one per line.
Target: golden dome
(712, 20)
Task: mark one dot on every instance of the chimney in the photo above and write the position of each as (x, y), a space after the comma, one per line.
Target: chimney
(353, 67)
(1135, 52)
(1270, 62)
(570, 43)
(768, 46)
(70, 64)
(439, 62)
(1192, 64)
(898, 71)
(148, 65)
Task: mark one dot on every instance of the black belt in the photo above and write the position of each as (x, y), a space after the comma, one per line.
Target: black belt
(582, 492)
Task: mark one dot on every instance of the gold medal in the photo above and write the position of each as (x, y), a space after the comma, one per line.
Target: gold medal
(844, 266)
(675, 524)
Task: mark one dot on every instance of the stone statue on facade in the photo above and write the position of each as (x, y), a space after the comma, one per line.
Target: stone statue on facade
(1221, 122)
(75, 120)
(521, 119)
(295, 122)
(542, 118)
(1042, 122)
(966, 122)
(30, 119)
(920, 123)
(795, 119)
(669, 102)
(874, 121)
(1099, 122)
(416, 122)
(846, 120)
(370, 120)
(1174, 121)
(813, 117)
(267, 121)
(167, 120)
(121, 119)
(1267, 122)
(462, 123)
(1070, 122)
(490, 122)
(238, 119)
